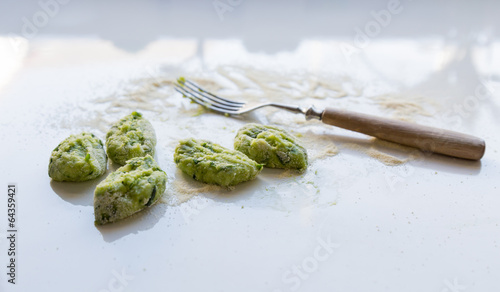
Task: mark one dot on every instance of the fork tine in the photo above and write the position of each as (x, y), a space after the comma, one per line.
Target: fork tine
(210, 99)
(203, 102)
(215, 96)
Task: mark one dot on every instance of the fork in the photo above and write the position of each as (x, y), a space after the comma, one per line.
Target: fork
(425, 138)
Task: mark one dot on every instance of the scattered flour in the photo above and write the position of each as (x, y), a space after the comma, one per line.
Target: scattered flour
(182, 191)
(319, 146)
(404, 107)
(379, 150)
(156, 98)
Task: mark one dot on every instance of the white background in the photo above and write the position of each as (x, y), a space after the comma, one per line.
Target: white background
(427, 225)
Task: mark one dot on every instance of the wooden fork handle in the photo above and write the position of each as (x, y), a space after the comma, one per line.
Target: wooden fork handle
(422, 137)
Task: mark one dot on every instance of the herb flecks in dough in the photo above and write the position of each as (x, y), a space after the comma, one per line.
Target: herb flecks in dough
(78, 158)
(271, 146)
(132, 136)
(131, 188)
(213, 164)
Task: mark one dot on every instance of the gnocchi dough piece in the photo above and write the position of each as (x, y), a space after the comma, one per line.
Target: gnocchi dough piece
(78, 158)
(131, 188)
(213, 164)
(132, 136)
(271, 146)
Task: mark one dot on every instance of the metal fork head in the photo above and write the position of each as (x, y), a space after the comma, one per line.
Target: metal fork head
(230, 107)
(206, 99)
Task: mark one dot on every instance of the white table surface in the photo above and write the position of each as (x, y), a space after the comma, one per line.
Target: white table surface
(350, 223)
